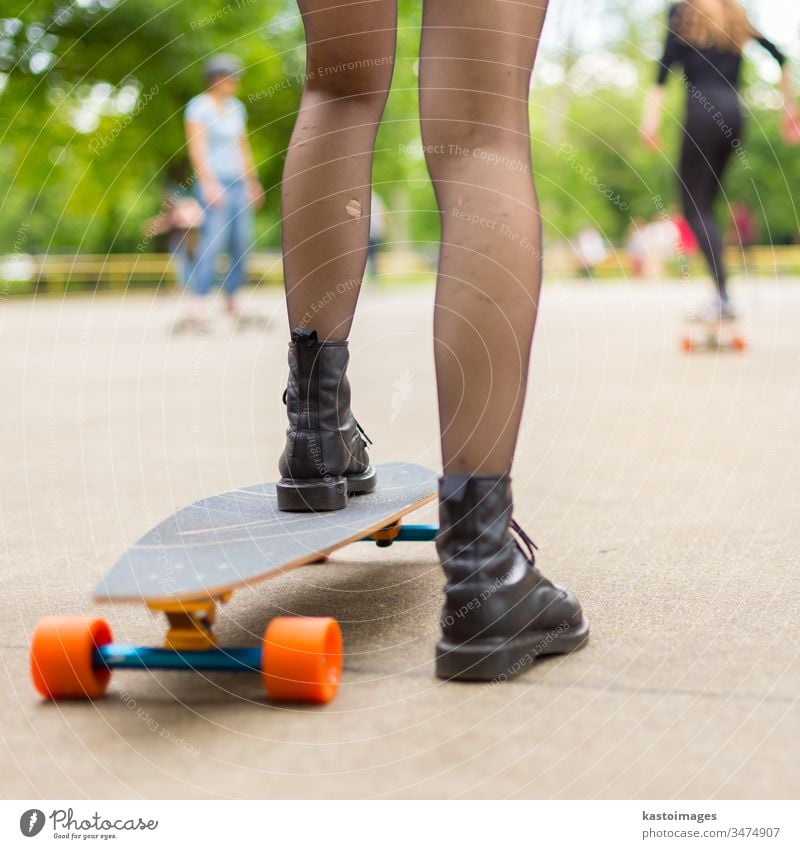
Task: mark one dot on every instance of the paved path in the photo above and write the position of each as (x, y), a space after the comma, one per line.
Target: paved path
(663, 488)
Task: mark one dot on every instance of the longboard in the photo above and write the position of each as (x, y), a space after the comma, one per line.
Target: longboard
(195, 559)
(721, 334)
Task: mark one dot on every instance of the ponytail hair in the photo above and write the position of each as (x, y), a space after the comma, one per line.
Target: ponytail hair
(714, 23)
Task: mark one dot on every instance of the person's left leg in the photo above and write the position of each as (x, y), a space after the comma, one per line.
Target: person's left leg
(325, 206)
(720, 165)
(705, 154)
(327, 180)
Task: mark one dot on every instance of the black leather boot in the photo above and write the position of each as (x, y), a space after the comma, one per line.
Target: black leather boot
(500, 612)
(326, 451)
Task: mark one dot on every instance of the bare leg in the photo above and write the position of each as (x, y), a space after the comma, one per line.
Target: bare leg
(328, 172)
(475, 69)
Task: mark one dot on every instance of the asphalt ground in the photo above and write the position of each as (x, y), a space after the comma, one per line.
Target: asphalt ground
(661, 487)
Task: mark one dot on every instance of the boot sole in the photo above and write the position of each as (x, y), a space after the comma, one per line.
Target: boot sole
(320, 495)
(362, 483)
(498, 660)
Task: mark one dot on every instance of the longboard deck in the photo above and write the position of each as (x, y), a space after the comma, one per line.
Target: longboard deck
(240, 537)
(713, 335)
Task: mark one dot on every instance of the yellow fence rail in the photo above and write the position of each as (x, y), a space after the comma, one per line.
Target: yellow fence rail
(59, 273)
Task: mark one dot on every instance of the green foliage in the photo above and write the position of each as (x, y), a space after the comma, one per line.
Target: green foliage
(92, 95)
(399, 173)
(93, 187)
(598, 135)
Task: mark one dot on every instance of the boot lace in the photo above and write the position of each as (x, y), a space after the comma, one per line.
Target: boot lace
(362, 432)
(524, 543)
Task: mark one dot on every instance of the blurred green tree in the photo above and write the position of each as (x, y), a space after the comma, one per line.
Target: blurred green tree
(92, 94)
(92, 109)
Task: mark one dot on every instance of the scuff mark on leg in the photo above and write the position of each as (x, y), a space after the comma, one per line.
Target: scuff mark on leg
(353, 208)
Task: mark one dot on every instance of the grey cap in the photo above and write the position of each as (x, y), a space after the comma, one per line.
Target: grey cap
(223, 65)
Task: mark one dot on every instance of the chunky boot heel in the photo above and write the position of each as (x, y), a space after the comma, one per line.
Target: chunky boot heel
(325, 458)
(499, 659)
(482, 661)
(312, 495)
(361, 484)
(500, 612)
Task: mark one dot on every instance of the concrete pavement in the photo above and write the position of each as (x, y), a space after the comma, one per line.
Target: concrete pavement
(664, 489)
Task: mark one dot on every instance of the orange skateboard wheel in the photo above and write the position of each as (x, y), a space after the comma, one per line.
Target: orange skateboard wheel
(739, 343)
(687, 344)
(62, 650)
(302, 659)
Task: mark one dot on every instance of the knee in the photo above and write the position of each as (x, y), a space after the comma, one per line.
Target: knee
(466, 132)
(691, 211)
(696, 220)
(359, 78)
(467, 143)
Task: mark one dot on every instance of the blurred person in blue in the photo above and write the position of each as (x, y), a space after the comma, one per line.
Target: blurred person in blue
(178, 224)
(227, 185)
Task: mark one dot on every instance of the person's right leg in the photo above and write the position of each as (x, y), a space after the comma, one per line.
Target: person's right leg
(240, 239)
(326, 193)
(704, 154)
(476, 59)
(475, 67)
(213, 241)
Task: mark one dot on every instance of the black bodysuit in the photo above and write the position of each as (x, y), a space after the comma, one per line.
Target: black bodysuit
(711, 130)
